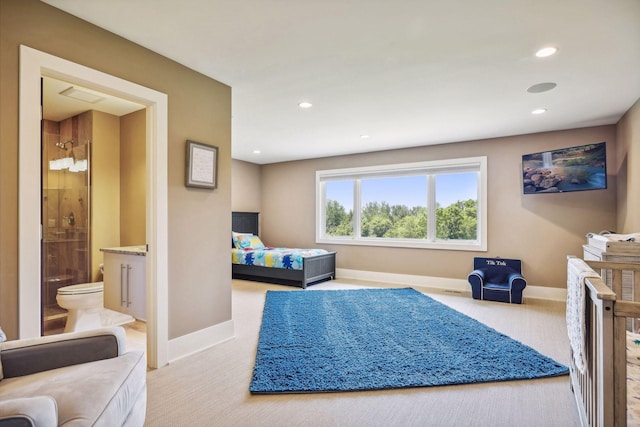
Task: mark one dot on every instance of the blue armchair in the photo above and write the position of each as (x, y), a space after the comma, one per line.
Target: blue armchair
(497, 279)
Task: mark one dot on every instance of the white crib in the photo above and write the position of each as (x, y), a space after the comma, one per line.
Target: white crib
(601, 389)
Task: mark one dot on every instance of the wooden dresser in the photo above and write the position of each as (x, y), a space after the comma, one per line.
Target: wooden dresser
(599, 249)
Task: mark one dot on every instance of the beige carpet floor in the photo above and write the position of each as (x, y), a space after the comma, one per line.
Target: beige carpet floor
(210, 388)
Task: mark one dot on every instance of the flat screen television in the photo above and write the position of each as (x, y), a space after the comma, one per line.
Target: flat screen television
(567, 169)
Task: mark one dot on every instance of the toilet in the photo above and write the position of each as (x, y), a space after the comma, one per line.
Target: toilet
(84, 302)
(85, 306)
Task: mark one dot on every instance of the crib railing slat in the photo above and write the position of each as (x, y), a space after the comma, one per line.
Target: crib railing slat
(619, 376)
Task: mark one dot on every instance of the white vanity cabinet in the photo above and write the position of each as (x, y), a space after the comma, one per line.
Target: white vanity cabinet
(125, 280)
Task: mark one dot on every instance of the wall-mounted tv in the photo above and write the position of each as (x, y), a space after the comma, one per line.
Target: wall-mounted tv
(567, 169)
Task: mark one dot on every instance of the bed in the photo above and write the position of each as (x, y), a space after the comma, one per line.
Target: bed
(605, 361)
(313, 268)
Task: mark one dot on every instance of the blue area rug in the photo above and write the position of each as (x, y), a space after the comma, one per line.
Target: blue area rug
(372, 339)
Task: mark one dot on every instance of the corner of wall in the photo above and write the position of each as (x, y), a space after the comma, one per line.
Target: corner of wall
(246, 188)
(628, 171)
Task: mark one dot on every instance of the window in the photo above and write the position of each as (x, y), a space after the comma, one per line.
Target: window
(438, 204)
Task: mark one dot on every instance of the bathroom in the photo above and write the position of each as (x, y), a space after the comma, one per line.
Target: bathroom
(93, 188)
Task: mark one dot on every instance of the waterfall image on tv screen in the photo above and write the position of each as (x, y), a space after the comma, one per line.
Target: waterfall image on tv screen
(567, 169)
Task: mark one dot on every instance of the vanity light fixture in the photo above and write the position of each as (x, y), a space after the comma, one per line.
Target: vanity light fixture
(305, 105)
(55, 165)
(539, 111)
(79, 166)
(546, 51)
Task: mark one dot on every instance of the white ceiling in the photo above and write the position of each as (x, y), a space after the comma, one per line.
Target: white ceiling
(406, 73)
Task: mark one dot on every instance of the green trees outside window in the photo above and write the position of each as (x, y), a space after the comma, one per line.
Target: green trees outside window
(338, 220)
(458, 221)
(439, 204)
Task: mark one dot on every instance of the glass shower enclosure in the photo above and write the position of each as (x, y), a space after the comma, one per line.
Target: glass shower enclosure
(66, 258)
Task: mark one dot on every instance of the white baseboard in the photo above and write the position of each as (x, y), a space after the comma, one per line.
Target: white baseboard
(442, 283)
(194, 342)
(543, 292)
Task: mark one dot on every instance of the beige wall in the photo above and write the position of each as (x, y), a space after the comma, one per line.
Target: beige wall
(133, 179)
(105, 186)
(199, 109)
(628, 171)
(245, 185)
(540, 229)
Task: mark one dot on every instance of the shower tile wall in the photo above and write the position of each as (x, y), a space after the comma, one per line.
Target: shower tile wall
(65, 209)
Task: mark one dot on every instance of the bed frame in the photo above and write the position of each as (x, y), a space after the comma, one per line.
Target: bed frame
(601, 390)
(315, 268)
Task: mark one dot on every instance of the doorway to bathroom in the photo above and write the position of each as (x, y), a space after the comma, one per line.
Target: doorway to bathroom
(34, 65)
(93, 194)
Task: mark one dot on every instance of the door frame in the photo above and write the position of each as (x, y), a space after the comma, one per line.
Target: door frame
(33, 65)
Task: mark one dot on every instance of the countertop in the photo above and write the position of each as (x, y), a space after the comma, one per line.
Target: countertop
(127, 250)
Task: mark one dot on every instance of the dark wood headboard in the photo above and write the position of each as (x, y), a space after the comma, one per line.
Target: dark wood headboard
(245, 222)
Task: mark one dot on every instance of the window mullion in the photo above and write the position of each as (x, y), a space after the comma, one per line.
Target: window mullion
(431, 207)
(480, 211)
(322, 213)
(357, 208)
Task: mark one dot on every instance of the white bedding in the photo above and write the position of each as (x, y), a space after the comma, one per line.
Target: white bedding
(612, 237)
(577, 272)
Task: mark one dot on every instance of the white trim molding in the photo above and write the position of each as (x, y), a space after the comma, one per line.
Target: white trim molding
(430, 171)
(192, 343)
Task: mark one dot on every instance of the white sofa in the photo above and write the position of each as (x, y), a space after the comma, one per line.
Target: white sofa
(73, 379)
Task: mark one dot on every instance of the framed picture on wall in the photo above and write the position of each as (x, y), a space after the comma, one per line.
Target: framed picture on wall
(201, 165)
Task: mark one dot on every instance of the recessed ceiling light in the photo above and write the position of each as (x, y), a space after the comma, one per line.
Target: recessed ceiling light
(541, 87)
(81, 95)
(546, 51)
(539, 111)
(256, 151)
(305, 104)
(364, 136)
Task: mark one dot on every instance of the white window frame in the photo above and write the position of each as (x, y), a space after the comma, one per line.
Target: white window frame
(469, 164)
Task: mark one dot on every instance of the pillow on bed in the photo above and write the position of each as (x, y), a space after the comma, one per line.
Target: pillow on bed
(248, 241)
(235, 236)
